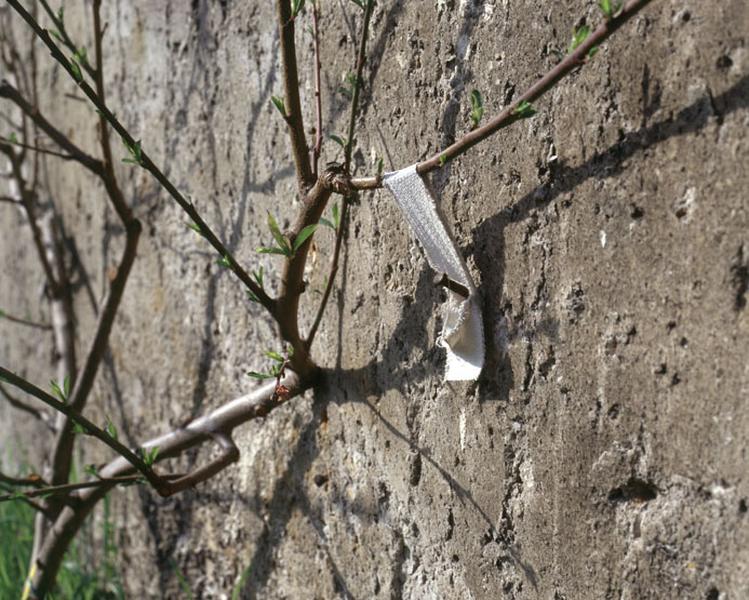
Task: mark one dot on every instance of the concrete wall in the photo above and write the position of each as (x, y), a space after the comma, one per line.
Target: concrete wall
(602, 454)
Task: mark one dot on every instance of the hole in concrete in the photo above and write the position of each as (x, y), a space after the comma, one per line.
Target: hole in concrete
(742, 506)
(320, 479)
(635, 490)
(724, 62)
(712, 594)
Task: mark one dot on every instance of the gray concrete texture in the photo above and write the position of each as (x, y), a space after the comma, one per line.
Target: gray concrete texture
(602, 453)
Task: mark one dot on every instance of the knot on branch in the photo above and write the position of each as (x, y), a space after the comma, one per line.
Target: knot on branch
(337, 179)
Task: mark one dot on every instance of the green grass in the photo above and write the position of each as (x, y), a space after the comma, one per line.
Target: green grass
(77, 578)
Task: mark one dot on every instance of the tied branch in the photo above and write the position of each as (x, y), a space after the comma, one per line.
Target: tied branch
(514, 112)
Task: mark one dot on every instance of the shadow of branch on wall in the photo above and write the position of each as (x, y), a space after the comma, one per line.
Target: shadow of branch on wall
(388, 372)
(355, 385)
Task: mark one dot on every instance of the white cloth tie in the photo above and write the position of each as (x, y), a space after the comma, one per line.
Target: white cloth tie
(463, 331)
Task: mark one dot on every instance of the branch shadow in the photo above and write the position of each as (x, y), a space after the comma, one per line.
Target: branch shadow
(487, 246)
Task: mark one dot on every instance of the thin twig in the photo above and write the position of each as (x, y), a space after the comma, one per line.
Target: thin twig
(62, 454)
(135, 460)
(9, 92)
(145, 160)
(360, 60)
(294, 118)
(26, 322)
(66, 488)
(37, 149)
(60, 25)
(318, 87)
(20, 405)
(509, 115)
(30, 481)
(28, 198)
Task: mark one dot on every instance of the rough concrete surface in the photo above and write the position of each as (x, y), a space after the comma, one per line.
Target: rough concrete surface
(602, 454)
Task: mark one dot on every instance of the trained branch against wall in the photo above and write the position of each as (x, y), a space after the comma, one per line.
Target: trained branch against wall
(63, 506)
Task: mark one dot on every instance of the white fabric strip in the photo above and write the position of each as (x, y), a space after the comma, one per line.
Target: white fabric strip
(463, 331)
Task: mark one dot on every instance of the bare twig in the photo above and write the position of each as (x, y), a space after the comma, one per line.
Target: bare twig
(20, 405)
(9, 92)
(38, 149)
(65, 38)
(145, 161)
(28, 198)
(318, 98)
(92, 430)
(31, 481)
(293, 117)
(360, 60)
(26, 322)
(510, 114)
(45, 491)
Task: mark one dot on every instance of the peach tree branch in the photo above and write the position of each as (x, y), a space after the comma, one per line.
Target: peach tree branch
(139, 156)
(87, 426)
(522, 107)
(292, 112)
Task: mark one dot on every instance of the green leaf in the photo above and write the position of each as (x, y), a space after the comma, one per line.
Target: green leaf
(359, 3)
(110, 429)
(477, 107)
(91, 470)
(579, 36)
(149, 456)
(443, 159)
(279, 104)
(338, 140)
(78, 429)
(592, 52)
(195, 227)
(275, 230)
(76, 71)
(336, 216)
(296, 6)
(61, 15)
(252, 296)
(136, 153)
(56, 34)
(258, 275)
(224, 262)
(260, 376)
(524, 110)
(275, 356)
(327, 223)
(609, 9)
(304, 234)
(380, 166)
(13, 138)
(61, 391)
(81, 56)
